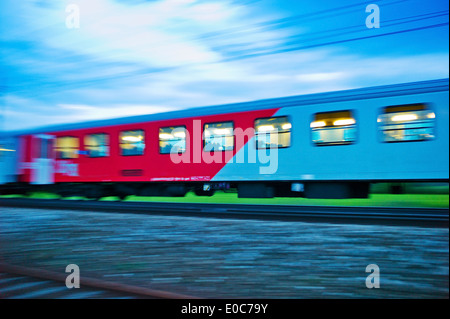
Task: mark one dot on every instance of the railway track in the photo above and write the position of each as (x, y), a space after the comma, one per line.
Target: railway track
(17, 282)
(426, 217)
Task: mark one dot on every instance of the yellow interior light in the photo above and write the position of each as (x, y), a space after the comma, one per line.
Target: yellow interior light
(318, 124)
(344, 122)
(286, 126)
(132, 138)
(165, 136)
(404, 117)
(431, 115)
(265, 128)
(180, 134)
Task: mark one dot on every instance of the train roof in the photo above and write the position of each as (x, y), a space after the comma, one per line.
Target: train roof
(297, 100)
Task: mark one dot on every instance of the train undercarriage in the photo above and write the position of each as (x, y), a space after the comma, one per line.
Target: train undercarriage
(243, 189)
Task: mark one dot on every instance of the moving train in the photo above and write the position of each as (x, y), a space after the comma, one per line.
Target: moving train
(325, 145)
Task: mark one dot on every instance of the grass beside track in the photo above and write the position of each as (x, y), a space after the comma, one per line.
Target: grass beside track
(374, 200)
(384, 200)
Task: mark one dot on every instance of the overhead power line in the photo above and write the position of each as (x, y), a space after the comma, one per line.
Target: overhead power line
(297, 39)
(297, 48)
(289, 21)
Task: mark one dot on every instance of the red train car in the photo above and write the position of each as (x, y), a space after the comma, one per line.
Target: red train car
(129, 155)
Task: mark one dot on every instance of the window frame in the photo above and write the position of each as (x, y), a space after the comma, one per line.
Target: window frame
(109, 144)
(273, 117)
(221, 122)
(120, 143)
(185, 139)
(382, 111)
(353, 113)
(76, 151)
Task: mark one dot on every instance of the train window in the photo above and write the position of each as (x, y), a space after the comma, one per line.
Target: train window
(333, 128)
(67, 147)
(132, 142)
(172, 139)
(97, 145)
(273, 132)
(218, 137)
(414, 122)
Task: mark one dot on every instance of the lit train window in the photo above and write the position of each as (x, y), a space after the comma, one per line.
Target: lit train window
(333, 128)
(273, 132)
(97, 145)
(218, 137)
(414, 122)
(67, 147)
(132, 142)
(172, 139)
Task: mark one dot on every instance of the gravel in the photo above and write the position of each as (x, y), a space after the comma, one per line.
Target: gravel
(225, 258)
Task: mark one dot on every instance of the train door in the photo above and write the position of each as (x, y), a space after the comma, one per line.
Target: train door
(43, 160)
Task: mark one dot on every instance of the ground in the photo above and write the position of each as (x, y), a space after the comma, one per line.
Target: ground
(223, 258)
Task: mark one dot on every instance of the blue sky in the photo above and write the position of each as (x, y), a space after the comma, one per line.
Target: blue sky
(131, 57)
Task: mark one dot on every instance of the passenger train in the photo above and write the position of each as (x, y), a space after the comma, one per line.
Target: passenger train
(325, 145)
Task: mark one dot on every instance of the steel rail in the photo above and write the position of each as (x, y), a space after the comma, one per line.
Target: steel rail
(426, 217)
(123, 289)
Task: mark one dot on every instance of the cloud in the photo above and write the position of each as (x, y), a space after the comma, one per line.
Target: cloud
(133, 57)
(81, 112)
(320, 77)
(154, 33)
(220, 84)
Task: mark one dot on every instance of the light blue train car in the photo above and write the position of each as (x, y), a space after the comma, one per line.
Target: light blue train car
(342, 141)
